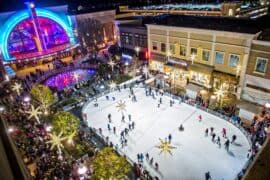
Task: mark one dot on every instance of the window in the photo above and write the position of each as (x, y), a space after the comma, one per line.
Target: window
(182, 51)
(205, 55)
(261, 65)
(154, 46)
(234, 60)
(172, 48)
(219, 57)
(193, 51)
(163, 47)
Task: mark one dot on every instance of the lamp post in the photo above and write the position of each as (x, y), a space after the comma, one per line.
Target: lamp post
(137, 50)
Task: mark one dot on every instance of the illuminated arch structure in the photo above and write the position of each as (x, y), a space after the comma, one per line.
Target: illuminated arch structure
(19, 39)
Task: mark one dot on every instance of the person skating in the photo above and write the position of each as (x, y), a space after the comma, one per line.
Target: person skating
(123, 118)
(181, 127)
(156, 166)
(147, 156)
(218, 141)
(227, 144)
(211, 130)
(160, 100)
(200, 118)
(224, 132)
(206, 132)
(158, 105)
(110, 117)
(207, 176)
(233, 138)
(133, 124)
(151, 161)
(213, 137)
(142, 157)
(129, 126)
(170, 138)
(139, 158)
(129, 117)
(109, 127)
(114, 130)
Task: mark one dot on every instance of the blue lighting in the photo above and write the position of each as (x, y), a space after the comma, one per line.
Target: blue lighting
(21, 15)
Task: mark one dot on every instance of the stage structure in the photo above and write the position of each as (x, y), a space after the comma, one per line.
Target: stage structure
(35, 33)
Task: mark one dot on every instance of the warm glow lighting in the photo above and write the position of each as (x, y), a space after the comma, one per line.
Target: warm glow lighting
(82, 170)
(10, 130)
(48, 128)
(26, 99)
(267, 105)
(2, 108)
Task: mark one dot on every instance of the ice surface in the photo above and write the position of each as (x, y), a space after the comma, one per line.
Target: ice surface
(194, 155)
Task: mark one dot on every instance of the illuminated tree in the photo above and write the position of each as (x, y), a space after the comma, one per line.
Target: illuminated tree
(43, 95)
(65, 122)
(108, 165)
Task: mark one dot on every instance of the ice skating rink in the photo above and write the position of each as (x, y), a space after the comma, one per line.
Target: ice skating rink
(194, 154)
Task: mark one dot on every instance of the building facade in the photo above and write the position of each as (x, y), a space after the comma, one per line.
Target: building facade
(257, 78)
(211, 59)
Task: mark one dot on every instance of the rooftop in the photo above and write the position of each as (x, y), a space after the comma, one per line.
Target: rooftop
(250, 26)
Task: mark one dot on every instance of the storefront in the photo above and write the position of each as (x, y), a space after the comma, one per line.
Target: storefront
(226, 82)
(200, 74)
(176, 70)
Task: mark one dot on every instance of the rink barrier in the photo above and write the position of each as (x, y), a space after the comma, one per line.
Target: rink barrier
(175, 97)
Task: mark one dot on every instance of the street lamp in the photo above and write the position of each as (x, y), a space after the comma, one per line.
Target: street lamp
(137, 49)
(2, 108)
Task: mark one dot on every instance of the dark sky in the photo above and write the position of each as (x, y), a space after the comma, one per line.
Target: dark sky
(8, 5)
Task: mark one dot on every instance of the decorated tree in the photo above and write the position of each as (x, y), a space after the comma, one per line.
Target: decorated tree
(108, 165)
(66, 123)
(43, 96)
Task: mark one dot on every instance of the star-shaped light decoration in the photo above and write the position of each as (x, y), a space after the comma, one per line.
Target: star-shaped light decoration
(220, 93)
(112, 85)
(17, 87)
(70, 138)
(111, 63)
(56, 141)
(34, 113)
(121, 106)
(165, 147)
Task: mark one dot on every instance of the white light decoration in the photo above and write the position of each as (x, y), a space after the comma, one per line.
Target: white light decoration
(112, 64)
(56, 141)
(112, 85)
(17, 87)
(2, 108)
(34, 113)
(82, 170)
(76, 76)
(26, 99)
(48, 128)
(267, 105)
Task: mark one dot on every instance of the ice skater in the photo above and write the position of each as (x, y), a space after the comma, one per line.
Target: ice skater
(181, 127)
(158, 105)
(207, 176)
(151, 161)
(218, 142)
(213, 137)
(233, 139)
(123, 118)
(160, 100)
(227, 144)
(129, 117)
(170, 138)
(200, 118)
(206, 132)
(211, 130)
(156, 166)
(133, 124)
(224, 132)
(109, 127)
(147, 156)
(114, 130)
(110, 117)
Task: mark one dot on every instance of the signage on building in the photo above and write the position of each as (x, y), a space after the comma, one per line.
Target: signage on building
(180, 62)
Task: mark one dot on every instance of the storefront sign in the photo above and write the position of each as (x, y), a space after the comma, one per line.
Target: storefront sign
(174, 61)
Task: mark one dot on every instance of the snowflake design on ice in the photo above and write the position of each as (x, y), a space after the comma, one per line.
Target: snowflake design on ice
(121, 106)
(112, 64)
(165, 147)
(112, 85)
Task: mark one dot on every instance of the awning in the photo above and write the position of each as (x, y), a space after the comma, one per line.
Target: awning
(158, 57)
(202, 68)
(192, 90)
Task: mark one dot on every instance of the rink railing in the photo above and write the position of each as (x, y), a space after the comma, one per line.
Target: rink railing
(175, 97)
